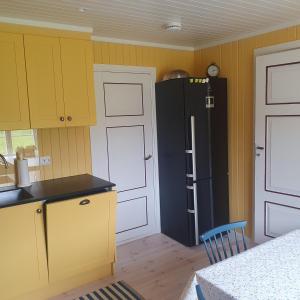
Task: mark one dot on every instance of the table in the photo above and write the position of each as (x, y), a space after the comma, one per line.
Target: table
(270, 271)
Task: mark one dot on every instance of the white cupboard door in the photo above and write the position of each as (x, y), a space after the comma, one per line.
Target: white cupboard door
(277, 144)
(122, 148)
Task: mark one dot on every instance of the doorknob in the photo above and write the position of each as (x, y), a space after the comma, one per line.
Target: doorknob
(148, 157)
(259, 148)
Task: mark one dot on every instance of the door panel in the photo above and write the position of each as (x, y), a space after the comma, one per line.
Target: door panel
(277, 163)
(80, 237)
(126, 142)
(122, 148)
(14, 113)
(283, 84)
(289, 215)
(132, 99)
(282, 153)
(132, 207)
(22, 252)
(77, 69)
(44, 77)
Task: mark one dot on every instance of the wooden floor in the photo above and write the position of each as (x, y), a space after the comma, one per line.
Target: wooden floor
(157, 267)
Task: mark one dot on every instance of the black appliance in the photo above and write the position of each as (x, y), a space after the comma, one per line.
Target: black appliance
(192, 156)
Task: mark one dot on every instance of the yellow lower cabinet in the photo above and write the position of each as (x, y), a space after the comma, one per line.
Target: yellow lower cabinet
(80, 235)
(23, 262)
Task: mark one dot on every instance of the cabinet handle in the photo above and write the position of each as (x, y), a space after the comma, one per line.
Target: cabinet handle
(84, 202)
(39, 211)
(62, 119)
(69, 118)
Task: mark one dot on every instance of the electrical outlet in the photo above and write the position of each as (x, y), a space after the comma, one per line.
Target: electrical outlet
(45, 160)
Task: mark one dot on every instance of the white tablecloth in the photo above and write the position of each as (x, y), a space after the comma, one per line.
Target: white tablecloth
(270, 271)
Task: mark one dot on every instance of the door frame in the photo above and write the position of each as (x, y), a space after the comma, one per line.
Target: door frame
(151, 71)
(256, 53)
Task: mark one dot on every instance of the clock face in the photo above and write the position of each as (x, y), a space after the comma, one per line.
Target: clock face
(213, 70)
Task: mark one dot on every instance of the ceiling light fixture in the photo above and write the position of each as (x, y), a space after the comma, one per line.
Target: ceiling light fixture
(172, 26)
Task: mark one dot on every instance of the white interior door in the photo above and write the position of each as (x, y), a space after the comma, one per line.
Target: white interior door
(277, 142)
(124, 146)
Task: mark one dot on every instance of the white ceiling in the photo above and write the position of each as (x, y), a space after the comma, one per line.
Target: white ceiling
(204, 22)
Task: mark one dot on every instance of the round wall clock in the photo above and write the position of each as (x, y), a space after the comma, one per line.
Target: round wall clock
(213, 70)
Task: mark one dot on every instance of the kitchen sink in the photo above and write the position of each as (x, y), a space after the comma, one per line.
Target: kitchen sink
(12, 196)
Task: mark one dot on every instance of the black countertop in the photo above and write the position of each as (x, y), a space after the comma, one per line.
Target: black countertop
(60, 189)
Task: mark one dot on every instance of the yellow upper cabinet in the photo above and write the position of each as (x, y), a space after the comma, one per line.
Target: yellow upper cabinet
(13, 88)
(45, 86)
(46, 78)
(60, 81)
(78, 82)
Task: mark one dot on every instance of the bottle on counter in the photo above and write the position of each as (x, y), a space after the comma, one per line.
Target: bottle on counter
(21, 169)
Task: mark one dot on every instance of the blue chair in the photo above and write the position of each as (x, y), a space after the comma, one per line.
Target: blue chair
(216, 249)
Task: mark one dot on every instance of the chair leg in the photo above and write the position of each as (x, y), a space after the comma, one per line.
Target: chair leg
(199, 293)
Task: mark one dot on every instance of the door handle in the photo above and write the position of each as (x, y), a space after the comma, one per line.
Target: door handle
(84, 202)
(260, 148)
(148, 157)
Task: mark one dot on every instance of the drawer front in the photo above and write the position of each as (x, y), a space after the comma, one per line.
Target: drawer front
(80, 234)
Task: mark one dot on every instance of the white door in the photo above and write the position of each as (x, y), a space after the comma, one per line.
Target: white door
(124, 146)
(277, 142)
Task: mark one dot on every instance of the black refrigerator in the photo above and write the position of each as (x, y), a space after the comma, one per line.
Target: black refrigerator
(192, 156)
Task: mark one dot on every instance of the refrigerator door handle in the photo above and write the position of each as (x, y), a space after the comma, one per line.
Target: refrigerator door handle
(194, 161)
(196, 214)
(193, 150)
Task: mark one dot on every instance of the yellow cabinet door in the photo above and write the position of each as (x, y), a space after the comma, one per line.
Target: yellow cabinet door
(22, 250)
(44, 77)
(77, 69)
(80, 234)
(13, 87)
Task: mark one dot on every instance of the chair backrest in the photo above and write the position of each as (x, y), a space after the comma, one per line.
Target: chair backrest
(222, 242)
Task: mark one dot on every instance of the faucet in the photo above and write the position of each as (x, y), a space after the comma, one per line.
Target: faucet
(4, 161)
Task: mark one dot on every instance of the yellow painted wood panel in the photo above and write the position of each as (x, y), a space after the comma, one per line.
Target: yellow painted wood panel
(45, 86)
(164, 60)
(80, 238)
(14, 112)
(22, 252)
(78, 82)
